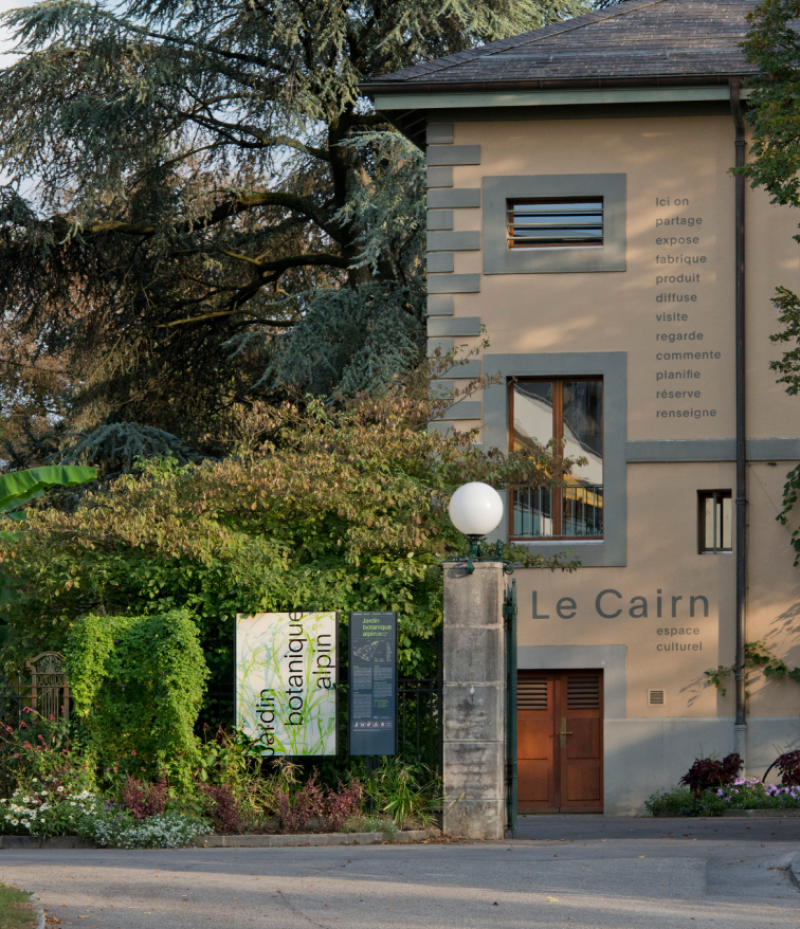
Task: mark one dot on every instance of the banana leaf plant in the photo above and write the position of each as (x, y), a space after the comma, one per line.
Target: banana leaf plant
(20, 487)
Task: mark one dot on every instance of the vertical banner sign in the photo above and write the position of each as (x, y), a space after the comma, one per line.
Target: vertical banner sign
(373, 683)
(286, 682)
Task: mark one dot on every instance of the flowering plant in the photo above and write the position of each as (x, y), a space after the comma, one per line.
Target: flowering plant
(748, 793)
(116, 828)
(37, 747)
(743, 793)
(44, 809)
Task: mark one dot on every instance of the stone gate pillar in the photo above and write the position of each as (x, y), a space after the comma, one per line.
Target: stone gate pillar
(474, 702)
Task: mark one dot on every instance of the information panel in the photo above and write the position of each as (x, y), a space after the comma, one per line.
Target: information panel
(286, 682)
(373, 683)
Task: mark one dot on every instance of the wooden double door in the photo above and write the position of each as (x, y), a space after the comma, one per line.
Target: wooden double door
(560, 741)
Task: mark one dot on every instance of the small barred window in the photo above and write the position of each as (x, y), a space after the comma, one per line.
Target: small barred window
(715, 521)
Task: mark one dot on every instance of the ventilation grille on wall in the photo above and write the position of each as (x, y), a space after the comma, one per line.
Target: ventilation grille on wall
(571, 223)
(655, 698)
(532, 693)
(583, 693)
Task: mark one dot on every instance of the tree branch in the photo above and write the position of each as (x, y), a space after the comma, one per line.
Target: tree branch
(234, 312)
(264, 138)
(62, 227)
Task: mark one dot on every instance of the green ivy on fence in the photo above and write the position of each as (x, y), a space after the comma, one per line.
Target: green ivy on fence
(137, 684)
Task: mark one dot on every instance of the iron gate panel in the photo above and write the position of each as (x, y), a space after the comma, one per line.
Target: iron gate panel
(510, 622)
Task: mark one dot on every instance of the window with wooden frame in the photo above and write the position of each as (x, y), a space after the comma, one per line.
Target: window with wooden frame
(569, 412)
(715, 521)
(563, 223)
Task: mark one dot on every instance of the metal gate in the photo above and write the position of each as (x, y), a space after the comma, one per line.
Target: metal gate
(510, 622)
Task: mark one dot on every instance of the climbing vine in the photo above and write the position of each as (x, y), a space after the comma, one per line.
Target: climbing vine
(137, 683)
(756, 656)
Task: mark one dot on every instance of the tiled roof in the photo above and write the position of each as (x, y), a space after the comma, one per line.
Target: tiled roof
(637, 41)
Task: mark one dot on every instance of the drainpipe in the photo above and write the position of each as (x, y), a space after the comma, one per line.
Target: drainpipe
(740, 726)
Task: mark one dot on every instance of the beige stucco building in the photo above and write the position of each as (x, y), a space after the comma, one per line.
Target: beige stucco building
(582, 210)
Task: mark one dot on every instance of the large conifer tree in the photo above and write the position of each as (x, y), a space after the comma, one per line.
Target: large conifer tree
(201, 208)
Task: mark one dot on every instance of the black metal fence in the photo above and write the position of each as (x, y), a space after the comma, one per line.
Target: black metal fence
(419, 710)
(419, 730)
(9, 701)
(419, 702)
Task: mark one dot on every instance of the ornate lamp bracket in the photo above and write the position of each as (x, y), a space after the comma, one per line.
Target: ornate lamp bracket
(477, 554)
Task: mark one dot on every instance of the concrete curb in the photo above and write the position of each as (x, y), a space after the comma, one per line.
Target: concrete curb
(763, 814)
(25, 842)
(297, 841)
(40, 924)
(794, 869)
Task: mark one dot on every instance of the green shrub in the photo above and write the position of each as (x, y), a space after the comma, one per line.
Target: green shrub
(331, 509)
(680, 801)
(137, 684)
(406, 793)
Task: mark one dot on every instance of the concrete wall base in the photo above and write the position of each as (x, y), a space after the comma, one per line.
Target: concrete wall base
(643, 756)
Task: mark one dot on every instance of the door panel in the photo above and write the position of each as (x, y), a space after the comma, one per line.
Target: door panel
(534, 740)
(536, 779)
(583, 786)
(581, 760)
(583, 741)
(560, 741)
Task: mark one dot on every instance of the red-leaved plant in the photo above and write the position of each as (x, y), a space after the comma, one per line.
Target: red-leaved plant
(143, 799)
(341, 804)
(708, 773)
(331, 807)
(789, 766)
(226, 813)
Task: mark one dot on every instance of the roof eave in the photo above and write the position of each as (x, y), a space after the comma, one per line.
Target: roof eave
(388, 88)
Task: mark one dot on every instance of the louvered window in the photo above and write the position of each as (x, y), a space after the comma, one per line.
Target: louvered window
(573, 223)
(532, 693)
(583, 693)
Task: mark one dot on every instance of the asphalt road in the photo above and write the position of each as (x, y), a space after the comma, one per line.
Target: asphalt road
(566, 871)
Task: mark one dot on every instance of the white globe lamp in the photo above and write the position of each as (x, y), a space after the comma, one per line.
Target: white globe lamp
(475, 509)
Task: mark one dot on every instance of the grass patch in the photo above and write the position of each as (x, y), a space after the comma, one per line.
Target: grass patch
(371, 824)
(16, 910)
